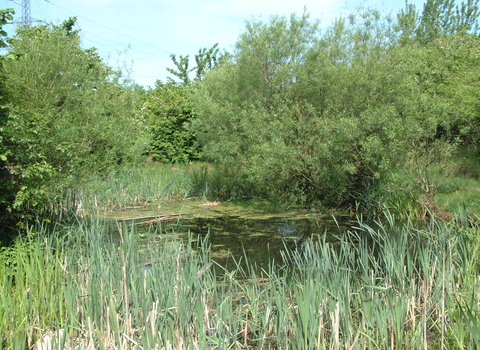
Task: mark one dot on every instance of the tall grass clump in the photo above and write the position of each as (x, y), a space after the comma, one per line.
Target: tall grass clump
(101, 292)
(129, 186)
(394, 286)
(141, 185)
(388, 285)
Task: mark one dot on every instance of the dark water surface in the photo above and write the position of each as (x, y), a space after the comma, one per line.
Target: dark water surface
(257, 231)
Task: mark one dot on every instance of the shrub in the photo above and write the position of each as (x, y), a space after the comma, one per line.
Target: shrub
(68, 114)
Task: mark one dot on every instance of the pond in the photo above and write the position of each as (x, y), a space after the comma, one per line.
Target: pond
(235, 231)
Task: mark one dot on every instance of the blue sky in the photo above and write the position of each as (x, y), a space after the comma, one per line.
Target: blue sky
(139, 36)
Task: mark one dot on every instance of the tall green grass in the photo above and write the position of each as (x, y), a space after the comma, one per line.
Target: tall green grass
(385, 286)
(140, 185)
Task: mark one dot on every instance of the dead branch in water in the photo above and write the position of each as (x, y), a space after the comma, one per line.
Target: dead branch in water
(156, 217)
(161, 219)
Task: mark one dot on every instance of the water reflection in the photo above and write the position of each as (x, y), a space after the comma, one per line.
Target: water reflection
(261, 241)
(236, 232)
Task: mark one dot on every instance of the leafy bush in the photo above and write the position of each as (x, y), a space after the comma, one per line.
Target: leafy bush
(321, 117)
(169, 111)
(67, 115)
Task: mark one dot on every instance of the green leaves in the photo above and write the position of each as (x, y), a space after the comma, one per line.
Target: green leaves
(324, 117)
(67, 115)
(169, 111)
(205, 60)
(5, 16)
(442, 17)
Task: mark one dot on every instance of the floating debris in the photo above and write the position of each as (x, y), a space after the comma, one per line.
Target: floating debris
(210, 204)
(161, 219)
(154, 219)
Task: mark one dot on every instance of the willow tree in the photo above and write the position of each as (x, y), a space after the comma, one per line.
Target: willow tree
(284, 116)
(330, 117)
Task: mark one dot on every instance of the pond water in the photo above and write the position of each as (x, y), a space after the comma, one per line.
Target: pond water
(257, 231)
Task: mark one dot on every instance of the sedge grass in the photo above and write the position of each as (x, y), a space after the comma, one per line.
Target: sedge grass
(128, 187)
(384, 286)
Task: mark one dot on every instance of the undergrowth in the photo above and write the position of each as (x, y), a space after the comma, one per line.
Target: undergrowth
(395, 286)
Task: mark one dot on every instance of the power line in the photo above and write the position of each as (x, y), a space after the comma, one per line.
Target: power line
(26, 19)
(126, 48)
(40, 6)
(135, 57)
(123, 47)
(115, 42)
(120, 44)
(113, 30)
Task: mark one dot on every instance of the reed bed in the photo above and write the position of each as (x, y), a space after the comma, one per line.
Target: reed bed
(128, 187)
(384, 286)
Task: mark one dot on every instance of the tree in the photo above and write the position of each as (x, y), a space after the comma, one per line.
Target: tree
(447, 36)
(169, 109)
(438, 18)
(6, 191)
(205, 60)
(442, 17)
(67, 117)
(253, 116)
(182, 71)
(331, 117)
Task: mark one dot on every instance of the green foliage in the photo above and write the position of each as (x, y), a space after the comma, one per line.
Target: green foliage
(205, 60)
(5, 16)
(249, 115)
(133, 185)
(68, 114)
(442, 17)
(168, 110)
(208, 59)
(384, 286)
(6, 185)
(182, 71)
(329, 117)
(439, 18)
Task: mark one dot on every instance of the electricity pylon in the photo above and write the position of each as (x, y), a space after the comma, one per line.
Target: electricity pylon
(26, 19)
(26, 13)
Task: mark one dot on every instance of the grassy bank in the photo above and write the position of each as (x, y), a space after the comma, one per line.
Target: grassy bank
(393, 287)
(153, 182)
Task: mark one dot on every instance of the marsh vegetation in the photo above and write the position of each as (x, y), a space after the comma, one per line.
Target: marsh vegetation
(394, 287)
(375, 116)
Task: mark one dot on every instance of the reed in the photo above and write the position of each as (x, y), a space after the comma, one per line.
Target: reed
(129, 187)
(387, 285)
